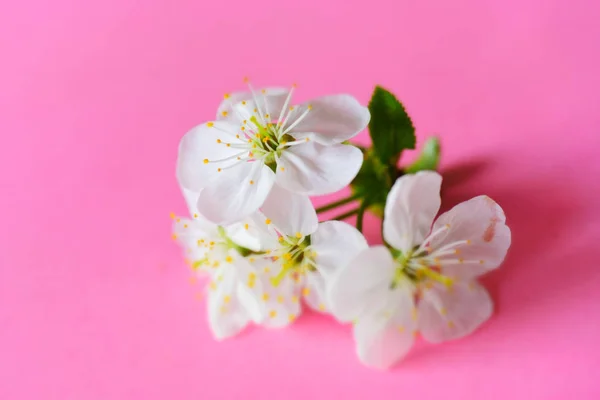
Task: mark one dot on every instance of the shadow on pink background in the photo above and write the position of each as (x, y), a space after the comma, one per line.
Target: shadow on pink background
(95, 302)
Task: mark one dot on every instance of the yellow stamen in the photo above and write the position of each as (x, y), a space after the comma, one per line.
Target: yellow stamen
(435, 276)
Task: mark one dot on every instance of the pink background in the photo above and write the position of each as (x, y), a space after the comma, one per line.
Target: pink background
(95, 302)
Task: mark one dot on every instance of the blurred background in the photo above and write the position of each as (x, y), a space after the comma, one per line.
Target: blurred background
(95, 301)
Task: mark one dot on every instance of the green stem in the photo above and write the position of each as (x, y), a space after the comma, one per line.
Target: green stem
(345, 215)
(360, 216)
(338, 203)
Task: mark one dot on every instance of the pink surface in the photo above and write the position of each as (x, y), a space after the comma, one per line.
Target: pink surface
(95, 301)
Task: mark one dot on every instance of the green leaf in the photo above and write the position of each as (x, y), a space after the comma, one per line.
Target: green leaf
(390, 127)
(429, 158)
(372, 183)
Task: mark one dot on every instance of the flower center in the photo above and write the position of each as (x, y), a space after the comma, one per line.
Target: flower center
(423, 265)
(298, 257)
(418, 270)
(268, 141)
(262, 136)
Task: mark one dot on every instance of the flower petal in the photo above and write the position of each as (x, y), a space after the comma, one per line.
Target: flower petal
(282, 302)
(330, 120)
(194, 235)
(480, 225)
(314, 169)
(363, 285)
(253, 233)
(200, 148)
(249, 286)
(446, 314)
(226, 316)
(290, 212)
(382, 339)
(191, 199)
(336, 243)
(410, 208)
(239, 193)
(314, 292)
(270, 102)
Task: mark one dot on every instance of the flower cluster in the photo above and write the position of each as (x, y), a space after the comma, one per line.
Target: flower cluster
(254, 233)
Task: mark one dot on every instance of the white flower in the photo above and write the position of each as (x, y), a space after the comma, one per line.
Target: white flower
(260, 141)
(234, 288)
(427, 283)
(298, 260)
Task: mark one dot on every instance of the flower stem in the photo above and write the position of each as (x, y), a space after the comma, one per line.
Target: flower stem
(360, 216)
(338, 203)
(345, 215)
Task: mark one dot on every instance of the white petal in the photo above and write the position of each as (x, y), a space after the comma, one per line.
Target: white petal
(331, 119)
(481, 221)
(410, 208)
(382, 339)
(282, 302)
(189, 233)
(225, 314)
(239, 193)
(253, 233)
(249, 286)
(315, 291)
(290, 212)
(315, 169)
(225, 108)
(271, 102)
(200, 144)
(446, 314)
(363, 285)
(336, 243)
(191, 199)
